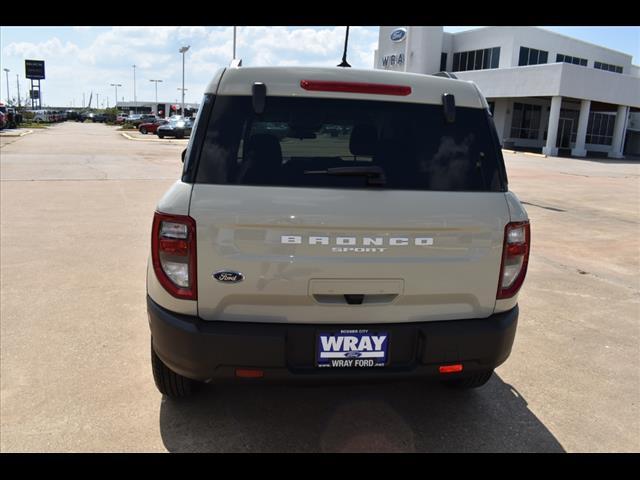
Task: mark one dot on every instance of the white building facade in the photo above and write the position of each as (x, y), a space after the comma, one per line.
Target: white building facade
(162, 109)
(547, 92)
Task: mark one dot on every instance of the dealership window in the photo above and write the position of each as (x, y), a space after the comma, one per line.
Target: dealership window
(443, 62)
(600, 128)
(573, 115)
(476, 59)
(607, 67)
(569, 59)
(531, 56)
(525, 122)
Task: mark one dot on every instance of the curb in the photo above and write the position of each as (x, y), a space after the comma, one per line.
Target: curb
(18, 135)
(155, 140)
(539, 155)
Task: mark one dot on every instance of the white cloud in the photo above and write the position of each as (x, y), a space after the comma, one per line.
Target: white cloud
(89, 59)
(53, 47)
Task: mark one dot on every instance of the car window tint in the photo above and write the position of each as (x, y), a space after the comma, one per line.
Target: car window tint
(296, 139)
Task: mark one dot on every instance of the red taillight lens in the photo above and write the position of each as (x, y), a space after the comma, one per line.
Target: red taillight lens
(173, 252)
(175, 247)
(356, 87)
(515, 258)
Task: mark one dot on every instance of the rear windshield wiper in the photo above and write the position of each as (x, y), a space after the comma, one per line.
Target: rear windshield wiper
(375, 175)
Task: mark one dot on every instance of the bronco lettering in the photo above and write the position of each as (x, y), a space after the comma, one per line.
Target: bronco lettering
(353, 241)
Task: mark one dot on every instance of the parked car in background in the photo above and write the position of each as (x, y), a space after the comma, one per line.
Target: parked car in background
(120, 119)
(133, 118)
(151, 127)
(177, 127)
(2, 120)
(99, 118)
(13, 118)
(41, 116)
(10, 118)
(140, 119)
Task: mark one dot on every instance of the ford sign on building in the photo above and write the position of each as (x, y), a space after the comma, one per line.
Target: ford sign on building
(398, 34)
(547, 92)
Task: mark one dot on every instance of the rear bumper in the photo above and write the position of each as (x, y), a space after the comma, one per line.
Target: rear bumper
(212, 350)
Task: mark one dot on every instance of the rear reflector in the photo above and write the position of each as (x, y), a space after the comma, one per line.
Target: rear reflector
(356, 87)
(249, 373)
(451, 368)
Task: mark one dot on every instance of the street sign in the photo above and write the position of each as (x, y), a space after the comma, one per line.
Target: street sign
(34, 69)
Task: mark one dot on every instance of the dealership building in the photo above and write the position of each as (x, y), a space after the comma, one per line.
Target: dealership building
(547, 92)
(162, 109)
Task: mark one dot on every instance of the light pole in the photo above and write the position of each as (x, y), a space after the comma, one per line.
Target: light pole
(18, 85)
(234, 43)
(116, 97)
(183, 50)
(97, 100)
(183, 90)
(156, 82)
(134, 85)
(7, 71)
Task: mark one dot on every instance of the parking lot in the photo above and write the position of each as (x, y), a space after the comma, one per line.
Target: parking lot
(75, 375)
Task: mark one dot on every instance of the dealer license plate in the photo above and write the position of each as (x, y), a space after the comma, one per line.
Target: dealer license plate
(352, 349)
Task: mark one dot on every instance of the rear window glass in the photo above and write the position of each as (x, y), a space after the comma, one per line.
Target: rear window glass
(335, 143)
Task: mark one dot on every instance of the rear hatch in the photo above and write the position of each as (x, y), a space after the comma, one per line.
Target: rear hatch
(337, 210)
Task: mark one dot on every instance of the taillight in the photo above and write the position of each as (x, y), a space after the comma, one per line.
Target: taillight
(356, 87)
(173, 252)
(515, 257)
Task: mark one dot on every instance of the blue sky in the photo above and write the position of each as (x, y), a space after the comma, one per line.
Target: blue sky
(84, 59)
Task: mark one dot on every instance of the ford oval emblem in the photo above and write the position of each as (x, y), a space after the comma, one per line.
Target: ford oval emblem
(228, 276)
(352, 354)
(398, 34)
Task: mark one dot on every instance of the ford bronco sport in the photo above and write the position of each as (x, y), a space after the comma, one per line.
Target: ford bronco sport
(334, 224)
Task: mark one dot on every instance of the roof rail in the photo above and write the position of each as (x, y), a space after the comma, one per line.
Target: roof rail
(445, 74)
(235, 63)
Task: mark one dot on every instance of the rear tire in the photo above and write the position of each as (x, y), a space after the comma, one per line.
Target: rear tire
(474, 381)
(160, 135)
(168, 382)
(143, 131)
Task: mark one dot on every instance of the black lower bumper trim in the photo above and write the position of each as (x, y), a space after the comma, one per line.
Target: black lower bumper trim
(212, 350)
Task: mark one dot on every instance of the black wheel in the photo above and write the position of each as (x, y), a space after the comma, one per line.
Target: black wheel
(143, 131)
(473, 381)
(179, 135)
(169, 383)
(160, 135)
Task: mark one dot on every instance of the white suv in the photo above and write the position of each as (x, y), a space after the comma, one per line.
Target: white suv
(336, 223)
